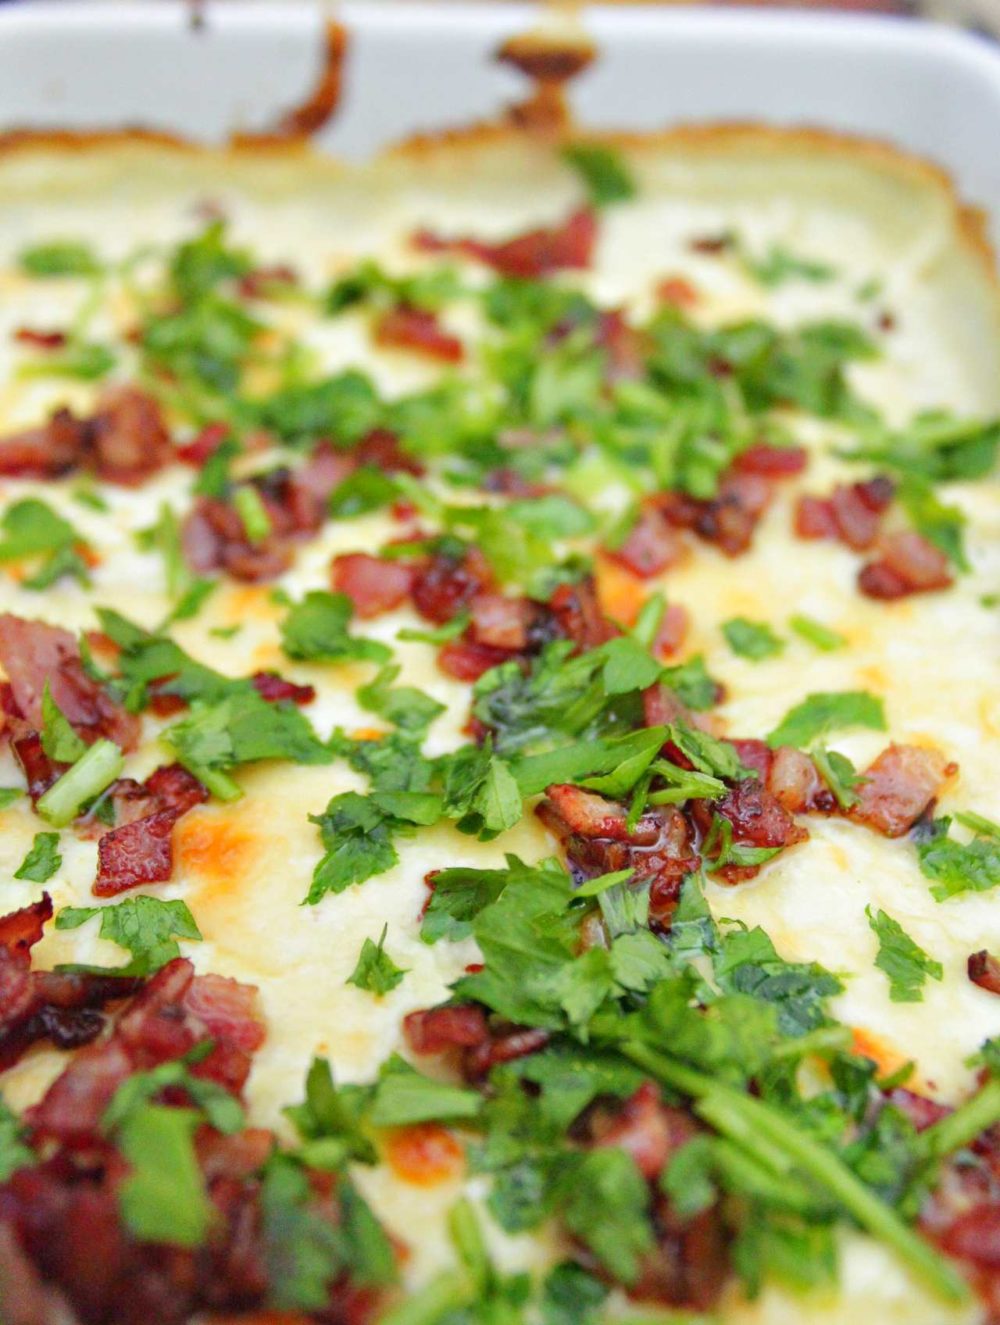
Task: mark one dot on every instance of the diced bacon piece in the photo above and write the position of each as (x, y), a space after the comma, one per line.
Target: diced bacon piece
(40, 340)
(908, 564)
(501, 622)
(259, 282)
(33, 652)
(174, 788)
(203, 445)
(758, 819)
(624, 346)
(586, 813)
(63, 1008)
(311, 485)
(436, 1030)
(661, 706)
(729, 519)
(578, 614)
(689, 1266)
(373, 584)
(39, 770)
(536, 253)
(213, 537)
(975, 1236)
(920, 1110)
(772, 461)
(382, 450)
(444, 586)
(138, 852)
(504, 1048)
(794, 781)
(851, 513)
(129, 438)
(642, 1129)
(274, 688)
(467, 660)
(21, 930)
(757, 755)
(651, 547)
(984, 971)
(672, 631)
(406, 328)
(46, 452)
(900, 786)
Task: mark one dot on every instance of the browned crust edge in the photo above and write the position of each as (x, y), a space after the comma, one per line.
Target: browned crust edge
(971, 222)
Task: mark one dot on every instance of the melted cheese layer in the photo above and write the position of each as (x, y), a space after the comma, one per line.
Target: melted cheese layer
(245, 868)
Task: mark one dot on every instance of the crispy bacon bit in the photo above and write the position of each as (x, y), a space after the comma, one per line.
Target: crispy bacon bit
(984, 971)
(595, 835)
(506, 1047)
(678, 291)
(727, 520)
(623, 345)
(900, 786)
(260, 281)
(437, 1030)
(795, 783)
(772, 461)
(274, 688)
(467, 660)
(124, 442)
(21, 930)
(690, 1266)
(920, 1110)
(140, 849)
(213, 538)
(37, 1005)
(852, 513)
(501, 622)
(536, 253)
(32, 653)
(673, 630)
(40, 772)
(443, 586)
(757, 755)
(642, 1128)
(40, 340)
(758, 820)
(711, 245)
(578, 614)
(908, 564)
(406, 328)
(381, 450)
(652, 545)
(373, 584)
(203, 445)
(139, 852)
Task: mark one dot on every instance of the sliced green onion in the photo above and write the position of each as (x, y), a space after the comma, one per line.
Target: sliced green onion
(957, 1129)
(89, 776)
(750, 1122)
(252, 511)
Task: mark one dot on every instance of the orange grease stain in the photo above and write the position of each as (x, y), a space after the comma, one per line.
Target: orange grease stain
(424, 1154)
(219, 850)
(870, 1045)
(620, 594)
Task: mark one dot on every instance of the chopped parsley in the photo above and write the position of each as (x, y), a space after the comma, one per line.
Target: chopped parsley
(958, 867)
(376, 972)
(42, 861)
(754, 640)
(146, 927)
(820, 714)
(904, 962)
(604, 173)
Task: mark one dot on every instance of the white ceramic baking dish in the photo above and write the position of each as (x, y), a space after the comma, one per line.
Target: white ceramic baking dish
(424, 66)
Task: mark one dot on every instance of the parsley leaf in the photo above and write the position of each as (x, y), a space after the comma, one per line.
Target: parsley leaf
(301, 1247)
(329, 1119)
(403, 1096)
(376, 972)
(59, 741)
(940, 524)
(692, 684)
(821, 713)
(407, 708)
(64, 257)
(605, 1203)
(42, 861)
(752, 639)
(958, 867)
(903, 961)
(839, 774)
(603, 171)
(815, 633)
(748, 963)
(163, 1198)
(779, 265)
(14, 1153)
(147, 927)
(315, 630)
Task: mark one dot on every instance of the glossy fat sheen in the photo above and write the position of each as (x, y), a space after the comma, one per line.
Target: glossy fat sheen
(245, 868)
